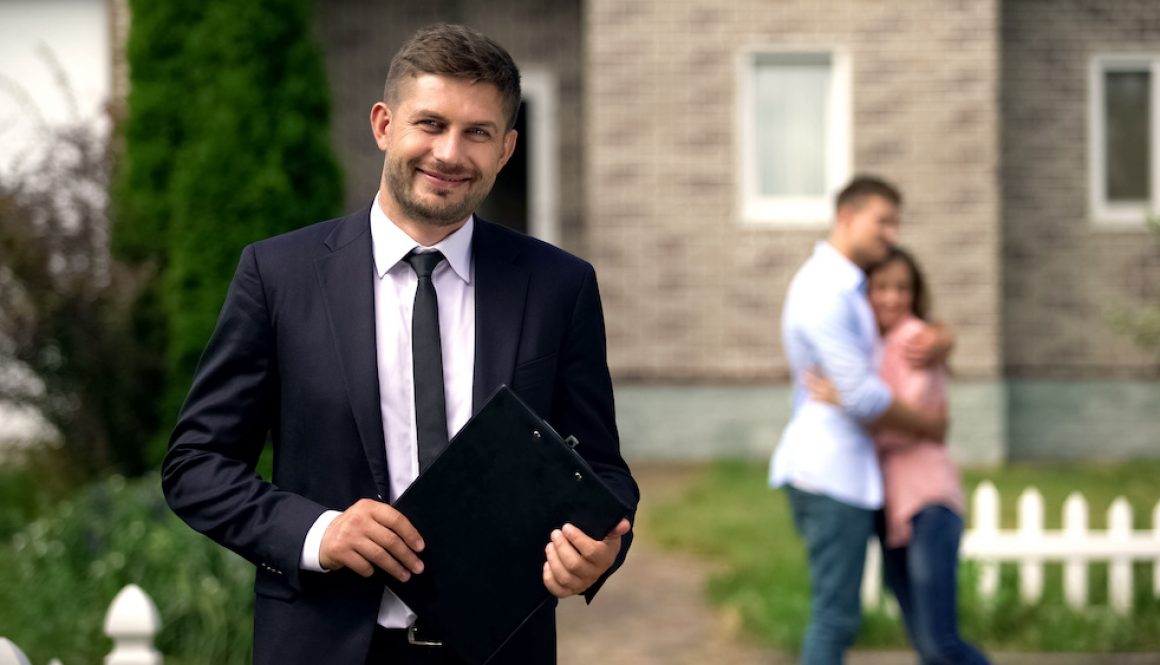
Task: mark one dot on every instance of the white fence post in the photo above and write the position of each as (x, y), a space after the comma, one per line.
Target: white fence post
(872, 575)
(132, 622)
(1120, 565)
(1075, 532)
(1031, 545)
(1031, 531)
(986, 509)
(10, 654)
(1156, 539)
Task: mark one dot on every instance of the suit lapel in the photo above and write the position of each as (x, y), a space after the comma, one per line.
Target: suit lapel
(501, 287)
(346, 276)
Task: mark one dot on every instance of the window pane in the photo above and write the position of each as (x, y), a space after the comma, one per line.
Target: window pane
(791, 99)
(1126, 116)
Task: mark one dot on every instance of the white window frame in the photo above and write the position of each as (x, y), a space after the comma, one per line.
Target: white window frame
(1106, 214)
(795, 211)
(539, 87)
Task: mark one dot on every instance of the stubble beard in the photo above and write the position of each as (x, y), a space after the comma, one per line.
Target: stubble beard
(444, 211)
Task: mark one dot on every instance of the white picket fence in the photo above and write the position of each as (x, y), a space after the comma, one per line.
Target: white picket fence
(1031, 545)
(132, 622)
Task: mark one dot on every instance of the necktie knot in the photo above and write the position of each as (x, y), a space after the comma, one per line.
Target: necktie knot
(423, 263)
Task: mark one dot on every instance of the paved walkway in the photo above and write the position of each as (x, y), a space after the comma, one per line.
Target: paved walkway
(653, 612)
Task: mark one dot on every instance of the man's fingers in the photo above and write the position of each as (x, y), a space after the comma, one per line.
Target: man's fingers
(368, 534)
(596, 550)
(375, 554)
(559, 571)
(921, 348)
(573, 559)
(398, 523)
(621, 528)
(356, 562)
(552, 585)
(395, 546)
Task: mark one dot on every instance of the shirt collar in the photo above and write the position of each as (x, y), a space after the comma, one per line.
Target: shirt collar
(844, 272)
(391, 244)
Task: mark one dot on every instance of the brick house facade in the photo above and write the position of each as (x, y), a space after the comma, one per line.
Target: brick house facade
(978, 109)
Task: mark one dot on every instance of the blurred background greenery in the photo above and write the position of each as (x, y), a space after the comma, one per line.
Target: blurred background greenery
(115, 255)
(729, 515)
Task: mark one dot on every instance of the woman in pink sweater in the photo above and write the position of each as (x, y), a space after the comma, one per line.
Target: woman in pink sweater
(923, 494)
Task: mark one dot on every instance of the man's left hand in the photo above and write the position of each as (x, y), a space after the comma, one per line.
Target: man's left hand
(576, 561)
(930, 347)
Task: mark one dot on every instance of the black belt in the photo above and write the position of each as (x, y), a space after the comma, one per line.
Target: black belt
(416, 636)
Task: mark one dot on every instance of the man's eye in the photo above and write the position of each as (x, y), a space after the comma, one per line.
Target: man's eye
(479, 133)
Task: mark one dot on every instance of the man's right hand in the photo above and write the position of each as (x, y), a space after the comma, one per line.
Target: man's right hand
(372, 534)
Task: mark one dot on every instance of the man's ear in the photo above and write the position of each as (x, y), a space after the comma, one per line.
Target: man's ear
(509, 146)
(842, 215)
(380, 121)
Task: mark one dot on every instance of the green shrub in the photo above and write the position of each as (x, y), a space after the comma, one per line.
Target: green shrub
(63, 570)
(19, 500)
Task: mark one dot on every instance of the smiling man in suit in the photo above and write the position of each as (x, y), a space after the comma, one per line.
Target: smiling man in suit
(361, 344)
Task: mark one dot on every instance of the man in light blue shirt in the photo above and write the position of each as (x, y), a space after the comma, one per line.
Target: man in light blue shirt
(826, 459)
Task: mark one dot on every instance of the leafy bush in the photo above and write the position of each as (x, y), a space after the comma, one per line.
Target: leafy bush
(63, 570)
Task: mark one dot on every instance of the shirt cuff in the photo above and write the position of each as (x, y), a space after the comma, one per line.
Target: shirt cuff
(872, 401)
(310, 548)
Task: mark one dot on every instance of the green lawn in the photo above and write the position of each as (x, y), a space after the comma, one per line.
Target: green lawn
(728, 514)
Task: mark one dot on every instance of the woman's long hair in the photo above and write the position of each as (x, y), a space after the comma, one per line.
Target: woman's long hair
(920, 305)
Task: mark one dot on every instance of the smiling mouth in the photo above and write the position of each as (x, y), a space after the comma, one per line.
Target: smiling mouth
(445, 179)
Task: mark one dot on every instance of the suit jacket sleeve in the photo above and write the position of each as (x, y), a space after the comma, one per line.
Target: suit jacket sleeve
(584, 404)
(208, 475)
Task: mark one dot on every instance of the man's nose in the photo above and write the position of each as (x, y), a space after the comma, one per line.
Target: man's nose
(447, 147)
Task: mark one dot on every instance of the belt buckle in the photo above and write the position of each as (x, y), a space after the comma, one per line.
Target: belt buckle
(414, 640)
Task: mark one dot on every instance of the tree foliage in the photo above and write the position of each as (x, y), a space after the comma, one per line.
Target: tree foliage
(226, 141)
(71, 333)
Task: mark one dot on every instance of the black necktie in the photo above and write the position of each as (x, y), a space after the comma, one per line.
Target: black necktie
(427, 355)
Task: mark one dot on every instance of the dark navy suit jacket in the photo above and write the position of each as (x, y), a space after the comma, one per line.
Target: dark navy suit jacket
(293, 357)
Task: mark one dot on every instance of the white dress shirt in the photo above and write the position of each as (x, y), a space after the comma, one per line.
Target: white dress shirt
(827, 325)
(395, 286)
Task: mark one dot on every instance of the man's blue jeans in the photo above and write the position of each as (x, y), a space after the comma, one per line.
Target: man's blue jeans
(835, 535)
(924, 578)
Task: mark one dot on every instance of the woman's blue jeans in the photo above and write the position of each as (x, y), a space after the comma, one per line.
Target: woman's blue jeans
(924, 578)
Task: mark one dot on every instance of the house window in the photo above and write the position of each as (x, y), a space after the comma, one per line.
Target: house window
(795, 135)
(1124, 135)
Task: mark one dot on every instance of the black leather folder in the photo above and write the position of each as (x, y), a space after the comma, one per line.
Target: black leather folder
(485, 509)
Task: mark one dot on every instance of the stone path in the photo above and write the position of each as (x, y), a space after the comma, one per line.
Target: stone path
(653, 612)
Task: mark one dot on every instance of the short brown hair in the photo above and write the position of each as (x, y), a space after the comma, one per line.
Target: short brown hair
(460, 52)
(867, 185)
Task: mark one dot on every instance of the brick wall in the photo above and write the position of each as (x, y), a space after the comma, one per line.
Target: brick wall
(1062, 273)
(691, 294)
(359, 39)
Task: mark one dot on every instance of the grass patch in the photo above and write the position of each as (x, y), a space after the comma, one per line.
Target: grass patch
(729, 515)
